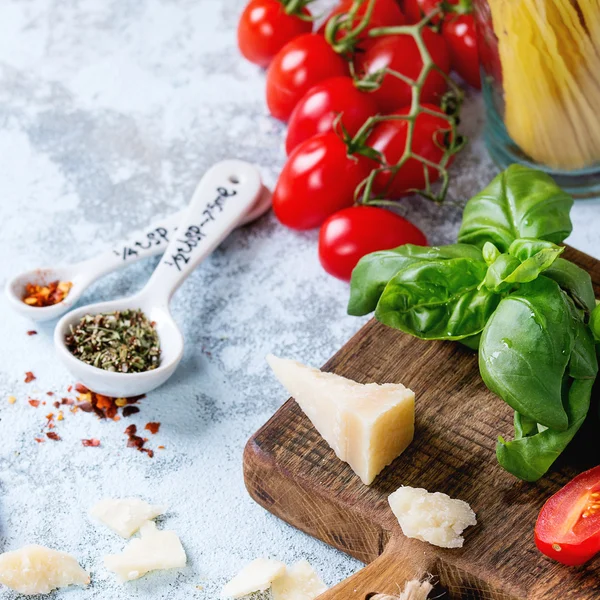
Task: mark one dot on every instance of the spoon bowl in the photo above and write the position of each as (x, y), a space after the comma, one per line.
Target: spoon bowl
(223, 199)
(149, 242)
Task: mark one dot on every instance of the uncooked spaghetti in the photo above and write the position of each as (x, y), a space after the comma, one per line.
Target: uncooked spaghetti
(550, 55)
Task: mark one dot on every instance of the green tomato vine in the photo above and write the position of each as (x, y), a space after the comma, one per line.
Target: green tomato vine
(344, 36)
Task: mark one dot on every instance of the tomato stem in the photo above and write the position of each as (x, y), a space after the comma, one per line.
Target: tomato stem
(346, 44)
(295, 7)
(451, 103)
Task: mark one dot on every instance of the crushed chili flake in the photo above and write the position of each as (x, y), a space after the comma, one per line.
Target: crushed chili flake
(152, 427)
(34, 403)
(130, 430)
(32, 332)
(53, 436)
(56, 404)
(29, 376)
(70, 389)
(79, 387)
(161, 447)
(39, 440)
(68, 401)
(46, 295)
(11, 399)
(130, 410)
(92, 442)
(120, 402)
(60, 417)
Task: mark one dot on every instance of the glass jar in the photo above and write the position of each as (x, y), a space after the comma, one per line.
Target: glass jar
(541, 85)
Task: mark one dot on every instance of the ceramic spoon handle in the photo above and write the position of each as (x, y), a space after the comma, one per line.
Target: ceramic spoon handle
(221, 201)
(150, 241)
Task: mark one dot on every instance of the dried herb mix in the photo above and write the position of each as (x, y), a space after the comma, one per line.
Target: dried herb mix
(122, 341)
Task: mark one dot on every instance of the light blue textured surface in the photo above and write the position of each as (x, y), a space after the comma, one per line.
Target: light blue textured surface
(109, 113)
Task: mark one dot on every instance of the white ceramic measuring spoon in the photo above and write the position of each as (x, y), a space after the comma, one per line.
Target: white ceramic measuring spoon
(221, 201)
(151, 241)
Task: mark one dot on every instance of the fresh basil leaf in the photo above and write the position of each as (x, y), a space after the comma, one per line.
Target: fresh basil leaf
(438, 299)
(524, 426)
(525, 349)
(373, 271)
(595, 323)
(499, 271)
(519, 203)
(472, 342)
(575, 281)
(531, 268)
(530, 457)
(584, 362)
(524, 248)
(490, 253)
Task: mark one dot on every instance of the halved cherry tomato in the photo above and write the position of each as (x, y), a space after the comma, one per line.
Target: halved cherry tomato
(350, 234)
(322, 104)
(415, 10)
(400, 53)
(318, 179)
(300, 65)
(265, 28)
(568, 528)
(389, 138)
(459, 33)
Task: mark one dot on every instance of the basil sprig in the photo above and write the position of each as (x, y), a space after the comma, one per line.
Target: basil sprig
(504, 290)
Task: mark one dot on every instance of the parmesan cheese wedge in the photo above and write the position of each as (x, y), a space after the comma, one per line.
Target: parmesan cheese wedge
(366, 425)
(38, 570)
(125, 516)
(299, 582)
(431, 517)
(255, 577)
(154, 549)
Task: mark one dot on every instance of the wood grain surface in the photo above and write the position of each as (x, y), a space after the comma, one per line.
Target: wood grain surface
(291, 471)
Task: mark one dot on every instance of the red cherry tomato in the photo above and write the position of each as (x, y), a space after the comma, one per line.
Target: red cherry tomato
(300, 65)
(389, 137)
(321, 105)
(385, 13)
(415, 10)
(400, 53)
(568, 527)
(265, 28)
(459, 33)
(350, 234)
(317, 180)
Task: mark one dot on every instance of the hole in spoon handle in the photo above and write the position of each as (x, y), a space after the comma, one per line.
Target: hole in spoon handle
(222, 199)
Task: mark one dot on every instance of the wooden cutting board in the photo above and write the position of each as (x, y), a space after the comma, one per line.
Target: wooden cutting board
(292, 472)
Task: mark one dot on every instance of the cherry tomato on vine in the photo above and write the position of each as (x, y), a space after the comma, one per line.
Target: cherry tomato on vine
(265, 28)
(568, 527)
(415, 10)
(385, 12)
(300, 65)
(389, 138)
(354, 232)
(318, 179)
(400, 53)
(322, 104)
(459, 33)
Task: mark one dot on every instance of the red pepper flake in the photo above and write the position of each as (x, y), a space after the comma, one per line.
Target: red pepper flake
(131, 430)
(49, 393)
(70, 389)
(29, 376)
(50, 416)
(56, 404)
(79, 387)
(152, 427)
(86, 407)
(34, 403)
(130, 410)
(68, 401)
(39, 440)
(161, 447)
(149, 452)
(46, 295)
(53, 436)
(32, 332)
(91, 443)
(135, 399)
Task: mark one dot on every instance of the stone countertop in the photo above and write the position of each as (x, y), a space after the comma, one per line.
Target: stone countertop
(109, 114)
